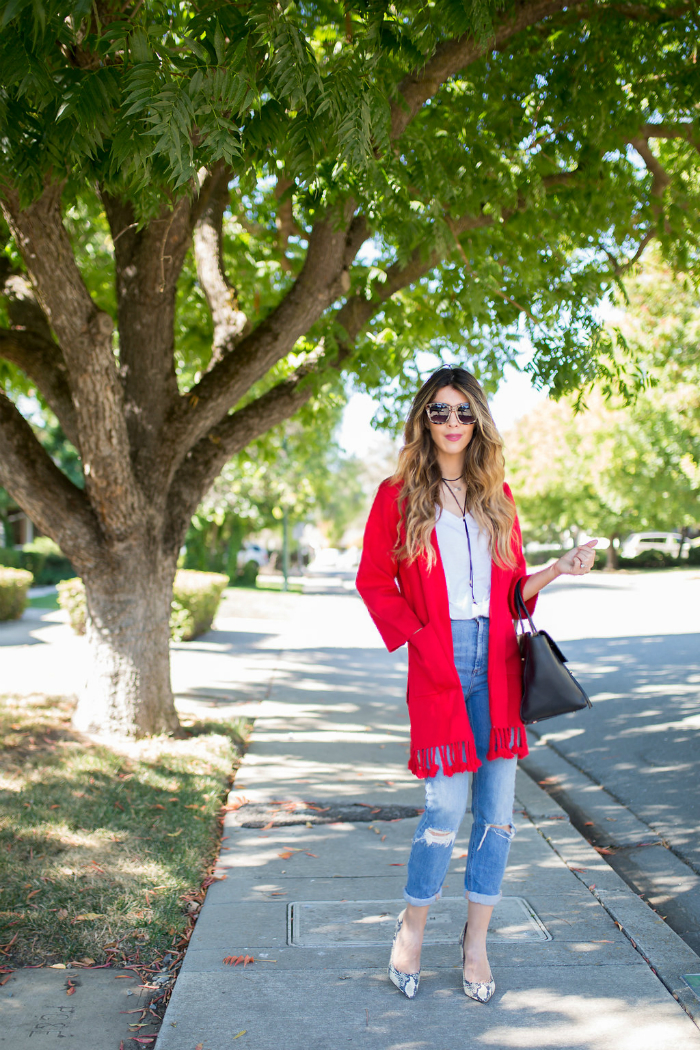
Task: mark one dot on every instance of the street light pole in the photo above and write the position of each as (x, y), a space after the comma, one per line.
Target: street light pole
(285, 548)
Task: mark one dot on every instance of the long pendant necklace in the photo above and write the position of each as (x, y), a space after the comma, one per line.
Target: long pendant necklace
(466, 529)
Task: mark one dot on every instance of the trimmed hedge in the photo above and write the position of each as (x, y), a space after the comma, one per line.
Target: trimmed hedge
(14, 584)
(248, 575)
(71, 598)
(651, 559)
(46, 563)
(196, 597)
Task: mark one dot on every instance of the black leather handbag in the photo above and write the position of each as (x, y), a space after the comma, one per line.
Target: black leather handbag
(549, 688)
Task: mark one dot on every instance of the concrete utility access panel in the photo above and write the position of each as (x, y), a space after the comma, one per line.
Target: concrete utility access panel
(325, 924)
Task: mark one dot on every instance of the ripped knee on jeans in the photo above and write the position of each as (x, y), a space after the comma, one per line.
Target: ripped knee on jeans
(505, 831)
(435, 837)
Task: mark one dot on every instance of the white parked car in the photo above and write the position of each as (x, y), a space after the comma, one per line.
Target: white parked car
(668, 542)
(251, 552)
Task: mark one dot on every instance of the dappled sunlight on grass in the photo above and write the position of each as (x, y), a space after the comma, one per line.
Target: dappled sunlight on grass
(100, 845)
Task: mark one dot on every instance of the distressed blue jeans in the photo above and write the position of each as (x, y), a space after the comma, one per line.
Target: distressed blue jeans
(492, 789)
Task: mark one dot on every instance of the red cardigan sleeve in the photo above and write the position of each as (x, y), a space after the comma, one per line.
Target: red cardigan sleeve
(377, 574)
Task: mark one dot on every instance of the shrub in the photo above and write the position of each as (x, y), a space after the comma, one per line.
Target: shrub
(693, 556)
(14, 584)
(55, 567)
(248, 575)
(196, 597)
(651, 559)
(71, 598)
(31, 561)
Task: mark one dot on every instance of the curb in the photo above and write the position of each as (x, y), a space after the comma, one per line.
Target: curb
(639, 855)
(667, 955)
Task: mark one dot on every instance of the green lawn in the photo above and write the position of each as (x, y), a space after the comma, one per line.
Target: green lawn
(102, 848)
(46, 601)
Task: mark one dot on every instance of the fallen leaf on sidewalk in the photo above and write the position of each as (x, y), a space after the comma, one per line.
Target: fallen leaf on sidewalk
(319, 809)
(311, 854)
(71, 988)
(234, 960)
(588, 824)
(574, 869)
(6, 979)
(286, 855)
(240, 1034)
(395, 865)
(382, 838)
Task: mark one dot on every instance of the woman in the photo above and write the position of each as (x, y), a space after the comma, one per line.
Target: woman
(442, 555)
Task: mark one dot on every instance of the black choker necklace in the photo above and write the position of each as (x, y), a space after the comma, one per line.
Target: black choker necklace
(453, 479)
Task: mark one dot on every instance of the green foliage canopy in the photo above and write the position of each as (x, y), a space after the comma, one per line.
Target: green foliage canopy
(614, 468)
(529, 153)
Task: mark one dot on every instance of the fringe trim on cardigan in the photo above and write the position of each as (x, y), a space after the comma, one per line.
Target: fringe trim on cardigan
(454, 758)
(508, 743)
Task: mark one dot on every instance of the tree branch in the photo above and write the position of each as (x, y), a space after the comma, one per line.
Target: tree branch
(236, 430)
(660, 178)
(204, 463)
(41, 363)
(85, 335)
(619, 268)
(452, 56)
(229, 320)
(53, 502)
(671, 131)
(324, 276)
(30, 345)
(286, 226)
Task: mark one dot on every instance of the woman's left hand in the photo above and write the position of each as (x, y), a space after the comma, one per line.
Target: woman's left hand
(579, 561)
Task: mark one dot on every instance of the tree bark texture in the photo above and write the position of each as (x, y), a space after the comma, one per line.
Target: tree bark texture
(127, 690)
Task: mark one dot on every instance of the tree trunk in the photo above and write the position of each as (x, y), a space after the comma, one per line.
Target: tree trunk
(128, 691)
(611, 562)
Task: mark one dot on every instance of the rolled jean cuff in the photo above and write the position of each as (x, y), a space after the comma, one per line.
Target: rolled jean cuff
(418, 903)
(483, 898)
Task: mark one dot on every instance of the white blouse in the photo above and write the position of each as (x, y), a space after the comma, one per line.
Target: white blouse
(454, 551)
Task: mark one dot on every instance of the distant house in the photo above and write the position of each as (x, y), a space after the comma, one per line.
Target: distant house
(16, 528)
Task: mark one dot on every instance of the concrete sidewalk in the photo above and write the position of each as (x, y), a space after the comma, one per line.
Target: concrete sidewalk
(579, 960)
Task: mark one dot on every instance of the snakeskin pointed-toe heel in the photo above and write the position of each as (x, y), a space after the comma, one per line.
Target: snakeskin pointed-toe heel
(405, 982)
(481, 991)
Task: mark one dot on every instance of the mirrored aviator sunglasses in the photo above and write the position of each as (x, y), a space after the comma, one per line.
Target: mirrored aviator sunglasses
(440, 412)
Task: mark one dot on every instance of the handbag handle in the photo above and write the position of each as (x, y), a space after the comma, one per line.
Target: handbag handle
(522, 609)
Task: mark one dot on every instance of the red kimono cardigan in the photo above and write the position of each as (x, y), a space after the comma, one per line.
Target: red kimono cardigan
(409, 603)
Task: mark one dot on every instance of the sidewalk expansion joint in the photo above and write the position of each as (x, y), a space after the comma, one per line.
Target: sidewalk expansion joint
(285, 813)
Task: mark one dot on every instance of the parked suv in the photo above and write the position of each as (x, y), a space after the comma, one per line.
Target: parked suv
(252, 552)
(638, 542)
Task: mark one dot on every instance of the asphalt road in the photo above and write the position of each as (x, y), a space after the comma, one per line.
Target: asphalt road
(634, 642)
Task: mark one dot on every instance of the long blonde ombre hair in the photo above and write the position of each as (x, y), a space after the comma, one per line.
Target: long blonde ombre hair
(420, 476)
